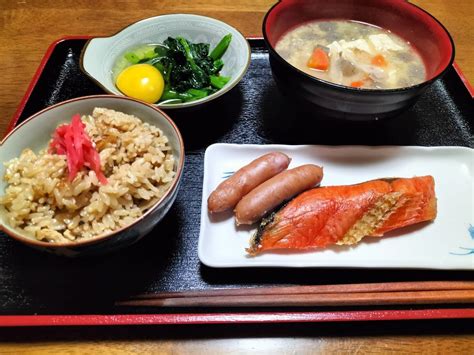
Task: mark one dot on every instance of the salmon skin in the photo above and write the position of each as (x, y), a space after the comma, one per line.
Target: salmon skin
(344, 215)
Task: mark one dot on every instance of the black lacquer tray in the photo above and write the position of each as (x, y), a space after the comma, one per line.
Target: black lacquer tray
(34, 283)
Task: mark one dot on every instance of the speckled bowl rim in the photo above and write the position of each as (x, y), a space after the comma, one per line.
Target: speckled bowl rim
(101, 237)
(360, 90)
(204, 100)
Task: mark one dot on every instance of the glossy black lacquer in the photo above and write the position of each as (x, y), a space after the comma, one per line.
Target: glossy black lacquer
(166, 260)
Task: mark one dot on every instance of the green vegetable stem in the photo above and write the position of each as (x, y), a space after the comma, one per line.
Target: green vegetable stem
(217, 65)
(188, 95)
(200, 75)
(221, 47)
(132, 57)
(219, 81)
(141, 55)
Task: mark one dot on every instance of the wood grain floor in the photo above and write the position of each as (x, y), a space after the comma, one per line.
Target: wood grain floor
(414, 337)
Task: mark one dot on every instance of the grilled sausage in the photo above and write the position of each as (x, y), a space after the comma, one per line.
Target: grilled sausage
(230, 191)
(265, 197)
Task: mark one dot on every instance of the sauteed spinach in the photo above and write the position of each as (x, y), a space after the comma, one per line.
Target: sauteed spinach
(190, 70)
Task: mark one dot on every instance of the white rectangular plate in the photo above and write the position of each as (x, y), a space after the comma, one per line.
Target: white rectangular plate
(446, 243)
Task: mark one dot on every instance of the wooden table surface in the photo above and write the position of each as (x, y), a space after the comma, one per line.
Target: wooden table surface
(27, 29)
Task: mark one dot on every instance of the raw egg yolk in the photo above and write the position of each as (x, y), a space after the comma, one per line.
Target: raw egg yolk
(141, 81)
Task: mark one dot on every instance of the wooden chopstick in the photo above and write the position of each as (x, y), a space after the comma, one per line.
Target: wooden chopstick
(317, 299)
(316, 289)
(322, 295)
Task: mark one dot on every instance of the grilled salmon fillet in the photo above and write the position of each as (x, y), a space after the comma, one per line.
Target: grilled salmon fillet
(344, 215)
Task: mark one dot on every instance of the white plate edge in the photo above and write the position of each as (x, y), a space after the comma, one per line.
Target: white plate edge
(216, 146)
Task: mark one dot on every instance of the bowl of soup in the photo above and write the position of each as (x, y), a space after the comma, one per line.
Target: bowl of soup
(364, 60)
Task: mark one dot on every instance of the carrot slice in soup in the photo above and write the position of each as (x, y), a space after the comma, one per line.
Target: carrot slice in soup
(379, 60)
(319, 60)
(357, 84)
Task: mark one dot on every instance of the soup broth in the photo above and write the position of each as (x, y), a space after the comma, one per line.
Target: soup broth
(353, 54)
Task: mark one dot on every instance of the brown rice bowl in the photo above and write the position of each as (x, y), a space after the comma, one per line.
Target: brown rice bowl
(35, 131)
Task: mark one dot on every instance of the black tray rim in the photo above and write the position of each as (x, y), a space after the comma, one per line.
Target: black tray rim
(215, 318)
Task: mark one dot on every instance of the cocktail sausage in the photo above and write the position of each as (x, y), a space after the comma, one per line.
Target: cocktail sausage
(265, 197)
(229, 192)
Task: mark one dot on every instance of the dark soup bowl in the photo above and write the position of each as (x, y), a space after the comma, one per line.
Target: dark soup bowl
(426, 34)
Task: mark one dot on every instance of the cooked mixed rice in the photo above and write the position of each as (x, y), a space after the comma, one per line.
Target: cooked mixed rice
(135, 157)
